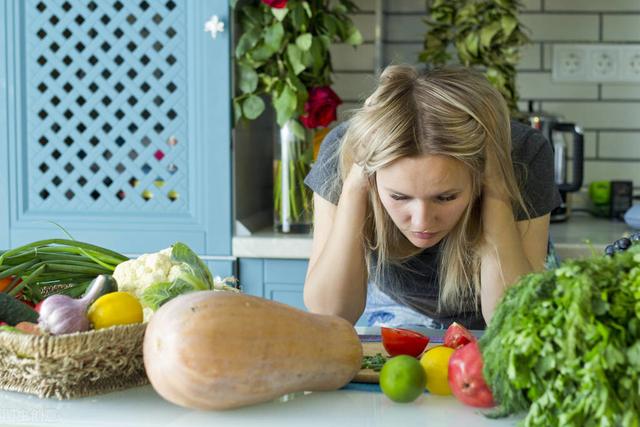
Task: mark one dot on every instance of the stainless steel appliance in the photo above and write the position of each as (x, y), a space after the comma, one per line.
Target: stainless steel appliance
(566, 138)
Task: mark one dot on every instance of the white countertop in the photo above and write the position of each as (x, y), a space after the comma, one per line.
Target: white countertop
(142, 406)
(569, 238)
(353, 406)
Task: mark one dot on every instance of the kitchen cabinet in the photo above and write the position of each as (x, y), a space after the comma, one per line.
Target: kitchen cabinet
(276, 279)
(115, 123)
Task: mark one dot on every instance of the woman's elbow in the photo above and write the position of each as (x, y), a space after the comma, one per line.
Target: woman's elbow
(351, 314)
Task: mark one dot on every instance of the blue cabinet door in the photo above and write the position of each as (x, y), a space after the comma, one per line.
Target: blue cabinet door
(115, 123)
(276, 279)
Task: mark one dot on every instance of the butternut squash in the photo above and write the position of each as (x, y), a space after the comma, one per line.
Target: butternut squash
(223, 350)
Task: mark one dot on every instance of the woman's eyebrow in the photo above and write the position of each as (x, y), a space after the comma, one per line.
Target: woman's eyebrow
(449, 191)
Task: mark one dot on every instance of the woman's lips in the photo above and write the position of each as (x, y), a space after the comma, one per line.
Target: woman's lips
(424, 236)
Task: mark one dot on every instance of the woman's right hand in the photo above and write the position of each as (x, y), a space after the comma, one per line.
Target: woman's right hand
(356, 180)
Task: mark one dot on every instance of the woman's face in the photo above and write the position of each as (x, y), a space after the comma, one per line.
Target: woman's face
(425, 196)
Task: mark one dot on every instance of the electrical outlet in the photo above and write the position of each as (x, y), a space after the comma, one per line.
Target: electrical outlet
(569, 62)
(596, 63)
(604, 64)
(630, 64)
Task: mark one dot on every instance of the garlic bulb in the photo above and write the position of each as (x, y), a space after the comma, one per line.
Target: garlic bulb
(61, 314)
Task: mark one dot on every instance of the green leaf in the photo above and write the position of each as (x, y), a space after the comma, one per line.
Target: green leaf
(252, 107)
(298, 129)
(285, 105)
(251, 16)
(472, 43)
(354, 37)
(237, 111)
(633, 355)
(299, 20)
(330, 23)
(508, 24)
(247, 41)
(182, 253)
(160, 293)
(273, 36)
(261, 53)
(304, 41)
(248, 79)
(487, 33)
(295, 58)
(280, 13)
(307, 58)
(325, 41)
(340, 9)
(307, 9)
(318, 53)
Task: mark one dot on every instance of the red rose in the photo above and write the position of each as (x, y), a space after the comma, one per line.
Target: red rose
(276, 4)
(320, 108)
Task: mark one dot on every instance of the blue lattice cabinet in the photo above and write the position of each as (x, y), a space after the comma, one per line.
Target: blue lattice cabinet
(115, 123)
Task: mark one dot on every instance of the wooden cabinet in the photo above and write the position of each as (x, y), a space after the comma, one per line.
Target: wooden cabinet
(115, 123)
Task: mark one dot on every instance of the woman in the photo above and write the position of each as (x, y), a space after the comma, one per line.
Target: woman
(431, 197)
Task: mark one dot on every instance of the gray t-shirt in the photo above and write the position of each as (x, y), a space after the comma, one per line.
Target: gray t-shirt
(532, 155)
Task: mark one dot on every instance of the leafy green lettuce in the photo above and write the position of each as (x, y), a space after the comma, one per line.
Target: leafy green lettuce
(564, 345)
(192, 275)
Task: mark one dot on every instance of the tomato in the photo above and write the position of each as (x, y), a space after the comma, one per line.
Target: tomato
(465, 377)
(399, 341)
(5, 282)
(457, 336)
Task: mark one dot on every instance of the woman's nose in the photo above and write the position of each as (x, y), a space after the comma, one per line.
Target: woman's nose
(424, 216)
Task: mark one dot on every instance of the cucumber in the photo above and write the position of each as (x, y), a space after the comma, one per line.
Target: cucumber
(104, 284)
(13, 311)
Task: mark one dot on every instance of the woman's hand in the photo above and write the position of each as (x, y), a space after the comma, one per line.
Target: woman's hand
(356, 180)
(494, 182)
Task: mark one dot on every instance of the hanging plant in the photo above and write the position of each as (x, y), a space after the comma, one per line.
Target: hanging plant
(283, 53)
(485, 34)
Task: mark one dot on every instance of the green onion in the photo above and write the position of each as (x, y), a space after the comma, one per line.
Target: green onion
(45, 264)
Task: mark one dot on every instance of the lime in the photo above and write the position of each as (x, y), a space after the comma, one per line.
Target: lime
(436, 367)
(402, 379)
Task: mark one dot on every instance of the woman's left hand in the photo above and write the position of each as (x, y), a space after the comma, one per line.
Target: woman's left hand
(493, 185)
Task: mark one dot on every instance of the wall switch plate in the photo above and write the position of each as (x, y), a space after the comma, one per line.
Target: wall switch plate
(596, 63)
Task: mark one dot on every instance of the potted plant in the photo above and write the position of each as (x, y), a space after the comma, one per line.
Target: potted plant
(282, 55)
(485, 33)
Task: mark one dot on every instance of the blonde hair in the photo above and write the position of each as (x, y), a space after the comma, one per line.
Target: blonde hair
(453, 112)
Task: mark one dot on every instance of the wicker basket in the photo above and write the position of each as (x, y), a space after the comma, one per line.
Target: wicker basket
(73, 365)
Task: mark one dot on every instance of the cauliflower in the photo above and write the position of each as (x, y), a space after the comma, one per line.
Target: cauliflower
(138, 274)
(158, 277)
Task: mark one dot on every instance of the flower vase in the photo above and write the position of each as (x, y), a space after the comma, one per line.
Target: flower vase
(292, 199)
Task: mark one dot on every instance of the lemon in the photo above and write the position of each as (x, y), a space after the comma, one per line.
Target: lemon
(115, 308)
(402, 379)
(435, 363)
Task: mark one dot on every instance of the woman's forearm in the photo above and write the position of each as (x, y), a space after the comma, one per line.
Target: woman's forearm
(337, 282)
(503, 259)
